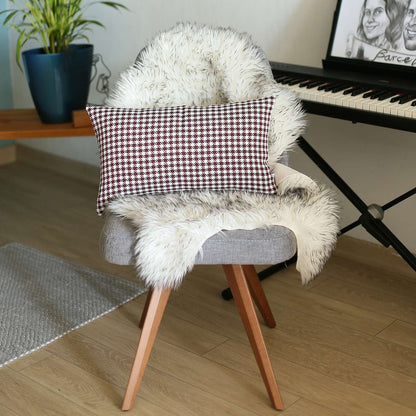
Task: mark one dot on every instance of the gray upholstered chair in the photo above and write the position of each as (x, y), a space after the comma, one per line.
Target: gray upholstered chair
(237, 250)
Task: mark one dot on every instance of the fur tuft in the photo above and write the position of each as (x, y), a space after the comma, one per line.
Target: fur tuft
(171, 229)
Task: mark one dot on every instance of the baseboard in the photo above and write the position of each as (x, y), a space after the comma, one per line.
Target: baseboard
(7, 154)
(58, 164)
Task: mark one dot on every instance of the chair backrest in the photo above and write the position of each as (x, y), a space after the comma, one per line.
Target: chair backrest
(195, 65)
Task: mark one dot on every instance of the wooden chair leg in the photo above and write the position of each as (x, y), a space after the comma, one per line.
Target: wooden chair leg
(240, 290)
(157, 303)
(258, 295)
(146, 307)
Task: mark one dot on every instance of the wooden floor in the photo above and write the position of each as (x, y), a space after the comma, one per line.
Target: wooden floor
(344, 345)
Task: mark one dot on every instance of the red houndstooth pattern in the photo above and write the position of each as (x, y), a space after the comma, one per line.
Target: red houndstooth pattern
(165, 150)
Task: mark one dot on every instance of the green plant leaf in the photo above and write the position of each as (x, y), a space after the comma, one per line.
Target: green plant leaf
(21, 40)
(10, 16)
(54, 23)
(92, 22)
(113, 4)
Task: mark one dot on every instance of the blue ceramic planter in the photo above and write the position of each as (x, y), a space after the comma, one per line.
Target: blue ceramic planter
(59, 82)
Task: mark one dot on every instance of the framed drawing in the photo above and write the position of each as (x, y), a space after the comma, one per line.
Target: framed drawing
(374, 33)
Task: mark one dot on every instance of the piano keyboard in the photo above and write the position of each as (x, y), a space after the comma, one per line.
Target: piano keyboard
(326, 92)
(332, 93)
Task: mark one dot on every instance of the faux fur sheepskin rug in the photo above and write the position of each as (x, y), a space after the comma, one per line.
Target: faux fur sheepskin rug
(200, 65)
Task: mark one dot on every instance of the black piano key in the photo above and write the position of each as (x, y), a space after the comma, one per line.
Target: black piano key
(396, 98)
(386, 95)
(369, 93)
(287, 80)
(281, 78)
(406, 99)
(305, 83)
(295, 81)
(359, 91)
(340, 88)
(356, 91)
(315, 84)
(323, 86)
(328, 87)
(333, 85)
(350, 90)
(377, 94)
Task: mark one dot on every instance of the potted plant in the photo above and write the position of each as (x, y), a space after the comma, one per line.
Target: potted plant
(59, 71)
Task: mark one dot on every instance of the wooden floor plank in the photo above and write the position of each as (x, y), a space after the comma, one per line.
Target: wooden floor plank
(355, 343)
(282, 292)
(367, 276)
(379, 258)
(401, 333)
(181, 397)
(88, 391)
(24, 397)
(215, 315)
(304, 407)
(246, 391)
(188, 367)
(4, 411)
(183, 364)
(28, 360)
(311, 384)
(374, 299)
(344, 367)
(341, 313)
(176, 331)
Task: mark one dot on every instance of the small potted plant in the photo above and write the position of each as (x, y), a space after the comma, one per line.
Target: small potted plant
(59, 71)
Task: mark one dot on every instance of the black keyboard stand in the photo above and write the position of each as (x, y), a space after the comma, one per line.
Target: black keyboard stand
(371, 216)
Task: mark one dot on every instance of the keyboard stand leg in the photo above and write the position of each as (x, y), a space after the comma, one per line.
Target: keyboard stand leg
(371, 215)
(385, 207)
(370, 218)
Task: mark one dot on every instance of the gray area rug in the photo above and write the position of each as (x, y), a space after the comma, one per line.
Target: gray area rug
(43, 297)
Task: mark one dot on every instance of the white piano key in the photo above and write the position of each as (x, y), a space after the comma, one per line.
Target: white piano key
(313, 94)
(390, 107)
(410, 112)
(320, 95)
(403, 108)
(394, 109)
(368, 105)
(353, 102)
(359, 103)
(363, 103)
(333, 98)
(387, 109)
(383, 106)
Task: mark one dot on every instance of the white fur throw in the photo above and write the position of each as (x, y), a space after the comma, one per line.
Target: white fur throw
(199, 65)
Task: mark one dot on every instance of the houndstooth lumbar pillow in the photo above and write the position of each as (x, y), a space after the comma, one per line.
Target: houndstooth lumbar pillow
(164, 150)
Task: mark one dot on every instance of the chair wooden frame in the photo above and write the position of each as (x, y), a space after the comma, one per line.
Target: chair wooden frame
(245, 285)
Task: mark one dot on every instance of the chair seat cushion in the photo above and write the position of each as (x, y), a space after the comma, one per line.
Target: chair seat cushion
(260, 246)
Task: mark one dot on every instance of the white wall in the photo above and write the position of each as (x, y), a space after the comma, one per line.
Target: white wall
(5, 86)
(377, 162)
